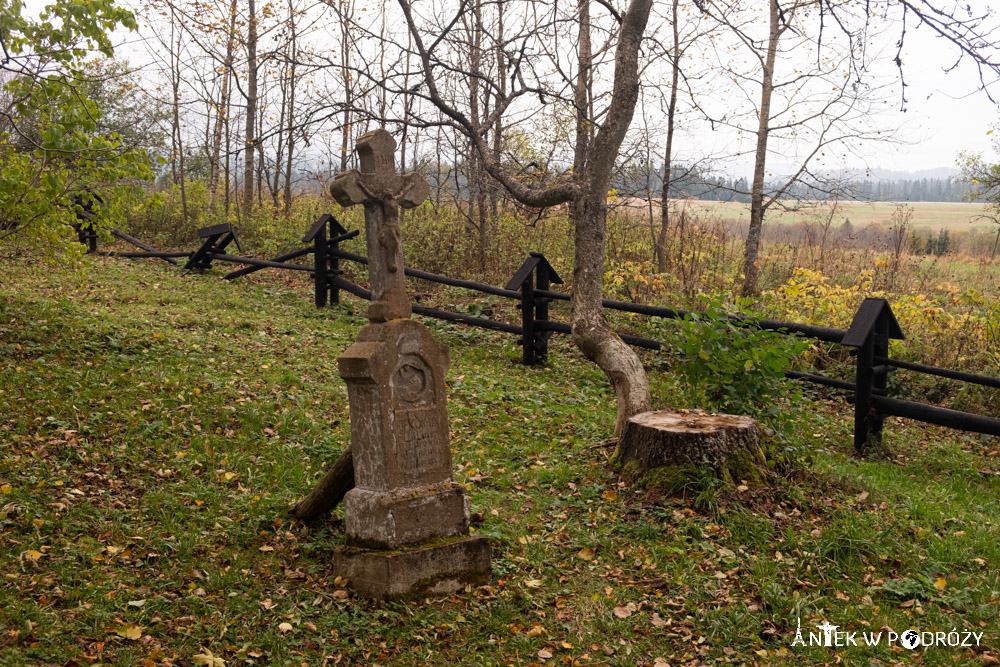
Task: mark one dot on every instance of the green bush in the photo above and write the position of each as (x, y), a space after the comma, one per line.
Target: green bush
(734, 369)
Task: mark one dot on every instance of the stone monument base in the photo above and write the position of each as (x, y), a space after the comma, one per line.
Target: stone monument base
(391, 519)
(440, 567)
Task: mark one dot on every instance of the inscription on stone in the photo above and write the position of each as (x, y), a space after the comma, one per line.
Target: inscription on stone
(418, 449)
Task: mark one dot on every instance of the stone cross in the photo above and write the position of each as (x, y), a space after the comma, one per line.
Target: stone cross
(406, 519)
(382, 191)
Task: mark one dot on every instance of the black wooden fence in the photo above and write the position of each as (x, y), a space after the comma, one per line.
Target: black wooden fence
(873, 326)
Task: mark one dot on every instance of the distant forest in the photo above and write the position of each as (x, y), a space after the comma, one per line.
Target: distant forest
(694, 184)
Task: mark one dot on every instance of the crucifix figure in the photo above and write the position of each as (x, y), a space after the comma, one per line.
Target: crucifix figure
(382, 191)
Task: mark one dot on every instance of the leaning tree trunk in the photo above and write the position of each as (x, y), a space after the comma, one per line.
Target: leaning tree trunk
(591, 331)
(594, 165)
(662, 448)
(337, 481)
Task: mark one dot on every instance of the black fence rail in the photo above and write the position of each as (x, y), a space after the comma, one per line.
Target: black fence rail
(872, 327)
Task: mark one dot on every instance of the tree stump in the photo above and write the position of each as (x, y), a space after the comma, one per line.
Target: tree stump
(337, 481)
(662, 448)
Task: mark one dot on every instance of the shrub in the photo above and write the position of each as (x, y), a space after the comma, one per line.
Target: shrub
(735, 369)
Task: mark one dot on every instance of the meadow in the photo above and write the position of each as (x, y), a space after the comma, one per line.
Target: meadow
(929, 216)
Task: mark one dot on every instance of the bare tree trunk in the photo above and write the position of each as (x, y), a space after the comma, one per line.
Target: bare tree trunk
(751, 256)
(222, 113)
(251, 119)
(291, 117)
(501, 94)
(345, 14)
(477, 180)
(660, 246)
(229, 153)
(175, 81)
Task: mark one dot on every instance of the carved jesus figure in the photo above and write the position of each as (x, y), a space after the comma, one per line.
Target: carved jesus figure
(382, 191)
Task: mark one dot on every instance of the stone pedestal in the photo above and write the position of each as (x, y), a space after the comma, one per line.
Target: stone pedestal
(445, 566)
(407, 521)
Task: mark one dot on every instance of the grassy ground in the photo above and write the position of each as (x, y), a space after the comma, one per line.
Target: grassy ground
(155, 427)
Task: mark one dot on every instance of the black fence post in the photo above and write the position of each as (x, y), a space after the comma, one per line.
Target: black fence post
(528, 343)
(880, 378)
(535, 274)
(872, 327)
(337, 234)
(87, 235)
(326, 263)
(524, 280)
(321, 263)
(543, 281)
(863, 386)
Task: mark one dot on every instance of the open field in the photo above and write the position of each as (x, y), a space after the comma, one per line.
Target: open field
(953, 216)
(156, 426)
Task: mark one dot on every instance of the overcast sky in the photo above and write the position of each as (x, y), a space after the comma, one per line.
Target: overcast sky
(946, 112)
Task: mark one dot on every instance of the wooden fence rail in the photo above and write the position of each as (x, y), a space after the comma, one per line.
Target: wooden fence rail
(872, 327)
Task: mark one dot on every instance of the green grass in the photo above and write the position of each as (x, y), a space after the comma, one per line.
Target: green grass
(156, 426)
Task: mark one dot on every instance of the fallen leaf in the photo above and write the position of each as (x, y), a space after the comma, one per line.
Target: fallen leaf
(587, 553)
(207, 658)
(285, 627)
(940, 583)
(907, 604)
(136, 603)
(129, 632)
(32, 554)
(626, 611)
(534, 583)
(545, 654)
(610, 496)
(658, 622)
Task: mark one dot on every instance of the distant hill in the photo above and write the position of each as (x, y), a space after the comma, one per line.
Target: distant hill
(890, 175)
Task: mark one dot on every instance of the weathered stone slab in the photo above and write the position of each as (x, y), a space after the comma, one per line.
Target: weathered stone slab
(443, 567)
(390, 519)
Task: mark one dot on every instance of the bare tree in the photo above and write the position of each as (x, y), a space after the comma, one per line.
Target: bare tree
(598, 138)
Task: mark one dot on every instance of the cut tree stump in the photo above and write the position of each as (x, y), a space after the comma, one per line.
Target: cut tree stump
(662, 446)
(337, 481)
